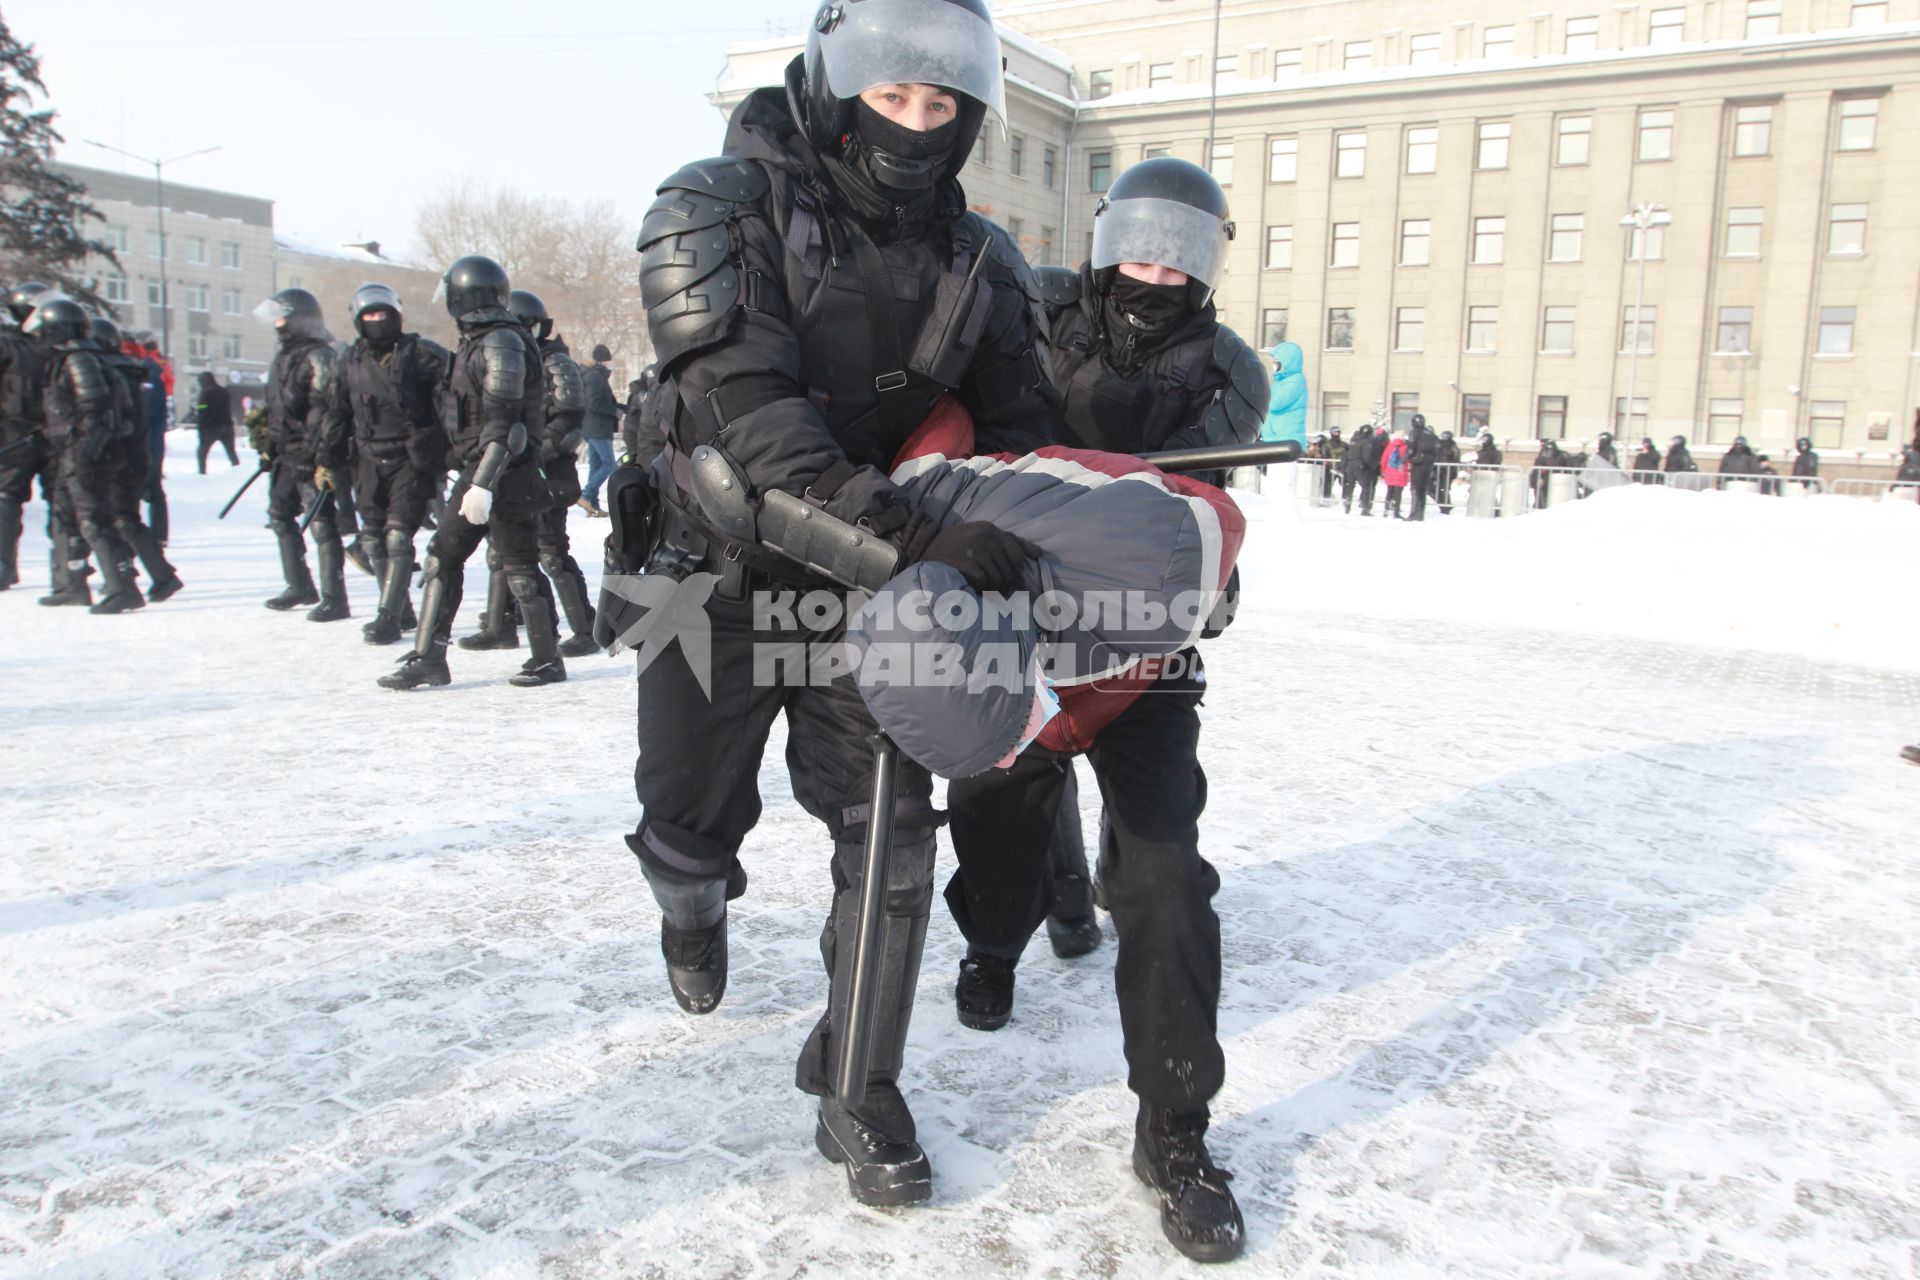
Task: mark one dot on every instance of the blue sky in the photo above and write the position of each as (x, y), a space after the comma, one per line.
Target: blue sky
(348, 113)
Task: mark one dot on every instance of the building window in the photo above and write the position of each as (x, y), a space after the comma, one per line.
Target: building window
(196, 346)
(153, 293)
(1410, 329)
(1154, 150)
(1159, 74)
(1424, 50)
(1273, 327)
(232, 346)
(230, 302)
(1556, 331)
(1339, 328)
(1489, 241)
(1423, 149)
(1286, 65)
(1583, 35)
(1869, 13)
(1283, 162)
(114, 288)
(1836, 331)
(1346, 244)
(115, 238)
(1222, 166)
(1099, 170)
(199, 298)
(1847, 230)
(1827, 422)
(1563, 244)
(1636, 330)
(1752, 130)
(1416, 240)
(1015, 228)
(1226, 65)
(1723, 419)
(1046, 246)
(1667, 27)
(1350, 154)
(1763, 19)
(1016, 153)
(1649, 243)
(154, 245)
(1280, 248)
(1625, 424)
(1499, 43)
(1333, 410)
(1743, 233)
(1047, 158)
(1476, 411)
(1656, 135)
(1550, 418)
(1858, 116)
(983, 150)
(1405, 405)
(1481, 328)
(1099, 84)
(1734, 335)
(1359, 56)
(1575, 135)
(196, 251)
(230, 254)
(1495, 138)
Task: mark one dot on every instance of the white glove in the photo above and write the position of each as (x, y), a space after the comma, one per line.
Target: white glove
(477, 505)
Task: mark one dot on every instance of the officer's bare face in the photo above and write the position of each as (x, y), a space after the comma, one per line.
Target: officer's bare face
(920, 107)
(1152, 273)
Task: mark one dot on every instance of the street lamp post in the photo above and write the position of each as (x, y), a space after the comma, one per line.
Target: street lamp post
(160, 213)
(1643, 217)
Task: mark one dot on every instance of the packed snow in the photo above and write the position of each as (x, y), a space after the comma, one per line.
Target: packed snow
(1568, 901)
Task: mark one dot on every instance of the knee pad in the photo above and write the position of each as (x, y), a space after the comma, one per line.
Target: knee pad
(282, 526)
(556, 566)
(399, 542)
(434, 568)
(524, 584)
(493, 558)
(323, 529)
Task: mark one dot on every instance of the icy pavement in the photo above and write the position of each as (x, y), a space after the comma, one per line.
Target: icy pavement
(1549, 953)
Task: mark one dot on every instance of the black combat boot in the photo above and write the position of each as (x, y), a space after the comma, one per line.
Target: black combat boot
(878, 1144)
(1197, 1209)
(333, 584)
(696, 964)
(570, 585)
(544, 666)
(983, 997)
(293, 564)
(119, 592)
(497, 629)
(1073, 938)
(417, 669)
(384, 629)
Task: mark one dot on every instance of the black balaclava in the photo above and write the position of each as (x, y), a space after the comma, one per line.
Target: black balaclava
(382, 334)
(890, 213)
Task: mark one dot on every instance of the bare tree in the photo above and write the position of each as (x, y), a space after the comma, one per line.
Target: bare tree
(579, 258)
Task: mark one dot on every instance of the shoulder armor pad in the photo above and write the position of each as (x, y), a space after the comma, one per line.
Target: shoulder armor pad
(566, 393)
(726, 177)
(87, 377)
(320, 362)
(1249, 388)
(504, 356)
(1059, 287)
(690, 283)
(701, 195)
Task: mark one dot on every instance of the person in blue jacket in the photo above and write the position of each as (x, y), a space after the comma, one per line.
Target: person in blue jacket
(1287, 407)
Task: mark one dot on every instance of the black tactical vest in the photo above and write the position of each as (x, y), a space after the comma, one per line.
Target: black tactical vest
(289, 396)
(384, 396)
(1128, 413)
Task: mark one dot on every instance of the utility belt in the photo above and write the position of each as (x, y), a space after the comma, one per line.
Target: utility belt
(684, 543)
(386, 450)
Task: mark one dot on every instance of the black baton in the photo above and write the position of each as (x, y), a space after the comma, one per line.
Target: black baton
(320, 500)
(856, 1048)
(1212, 457)
(243, 489)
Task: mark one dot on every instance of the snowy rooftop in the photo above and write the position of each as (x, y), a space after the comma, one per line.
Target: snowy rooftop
(1568, 889)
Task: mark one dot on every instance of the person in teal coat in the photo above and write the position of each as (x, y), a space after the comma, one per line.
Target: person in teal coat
(1287, 408)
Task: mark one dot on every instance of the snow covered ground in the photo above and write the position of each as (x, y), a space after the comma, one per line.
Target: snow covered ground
(1568, 899)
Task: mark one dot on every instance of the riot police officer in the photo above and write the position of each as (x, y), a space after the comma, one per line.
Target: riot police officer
(23, 376)
(301, 473)
(127, 476)
(1144, 364)
(85, 428)
(495, 387)
(559, 436)
(809, 295)
(385, 413)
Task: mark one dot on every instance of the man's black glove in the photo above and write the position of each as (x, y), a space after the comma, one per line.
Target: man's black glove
(987, 556)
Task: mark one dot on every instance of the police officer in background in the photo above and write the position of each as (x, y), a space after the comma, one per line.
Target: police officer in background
(810, 294)
(1144, 364)
(86, 429)
(23, 379)
(385, 414)
(1423, 454)
(494, 390)
(127, 469)
(640, 438)
(559, 438)
(299, 391)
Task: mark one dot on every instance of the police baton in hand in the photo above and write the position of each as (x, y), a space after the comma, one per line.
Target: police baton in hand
(856, 1037)
(1220, 456)
(231, 502)
(320, 500)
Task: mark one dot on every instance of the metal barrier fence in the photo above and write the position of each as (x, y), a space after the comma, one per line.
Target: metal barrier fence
(1486, 490)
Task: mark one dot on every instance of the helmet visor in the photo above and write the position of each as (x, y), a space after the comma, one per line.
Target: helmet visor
(932, 42)
(272, 312)
(1165, 233)
(369, 296)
